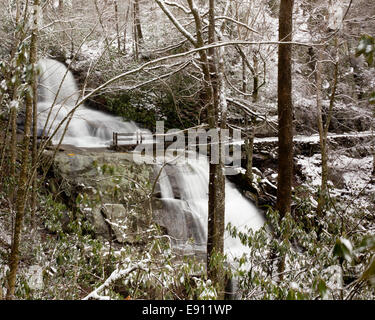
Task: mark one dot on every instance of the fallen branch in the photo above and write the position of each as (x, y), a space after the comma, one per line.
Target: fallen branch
(115, 275)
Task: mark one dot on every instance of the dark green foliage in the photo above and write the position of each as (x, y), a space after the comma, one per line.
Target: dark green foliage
(175, 102)
(366, 48)
(321, 260)
(132, 107)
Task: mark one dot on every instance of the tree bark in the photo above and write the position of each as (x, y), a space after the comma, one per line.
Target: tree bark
(137, 29)
(34, 155)
(137, 21)
(249, 148)
(117, 27)
(285, 110)
(255, 79)
(244, 76)
(324, 128)
(322, 137)
(216, 195)
(13, 112)
(23, 177)
(13, 141)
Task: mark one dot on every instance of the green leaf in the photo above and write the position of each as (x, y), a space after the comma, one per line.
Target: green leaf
(369, 273)
(372, 98)
(343, 249)
(366, 47)
(365, 42)
(367, 243)
(291, 295)
(321, 286)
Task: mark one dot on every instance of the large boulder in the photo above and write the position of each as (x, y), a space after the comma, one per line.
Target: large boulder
(108, 188)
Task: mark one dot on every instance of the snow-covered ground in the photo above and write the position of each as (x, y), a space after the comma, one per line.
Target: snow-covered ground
(349, 178)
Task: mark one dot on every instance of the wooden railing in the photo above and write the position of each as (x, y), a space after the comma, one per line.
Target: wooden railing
(133, 138)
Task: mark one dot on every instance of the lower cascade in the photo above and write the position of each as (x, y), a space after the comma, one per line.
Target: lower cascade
(184, 194)
(183, 186)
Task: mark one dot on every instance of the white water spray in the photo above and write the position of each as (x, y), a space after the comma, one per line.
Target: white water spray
(190, 202)
(57, 97)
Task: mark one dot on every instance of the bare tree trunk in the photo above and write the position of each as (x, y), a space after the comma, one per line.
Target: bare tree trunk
(137, 21)
(255, 79)
(34, 155)
(249, 148)
(244, 77)
(285, 117)
(117, 27)
(322, 137)
(135, 37)
(13, 141)
(22, 183)
(99, 13)
(285, 110)
(137, 29)
(60, 10)
(126, 27)
(3, 153)
(216, 201)
(323, 129)
(13, 111)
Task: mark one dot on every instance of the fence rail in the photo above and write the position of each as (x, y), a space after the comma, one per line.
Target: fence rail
(133, 138)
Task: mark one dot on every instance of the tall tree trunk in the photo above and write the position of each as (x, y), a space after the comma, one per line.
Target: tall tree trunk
(126, 27)
(216, 193)
(322, 137)
(13, 141)
(285, 110)
(324, 128)
(34, 155)
(3, 153)
(117, 27)
(285, 117)
(137, 29)
(255, 79)
(13, 111)
(137, 21)
(249, 149)
(22, 182)
(244, 76)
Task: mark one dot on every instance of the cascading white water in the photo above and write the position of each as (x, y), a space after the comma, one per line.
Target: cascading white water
(185, 214)
(57, 96)
(191, 200)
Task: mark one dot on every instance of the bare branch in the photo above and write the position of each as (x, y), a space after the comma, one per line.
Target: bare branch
(176, 23)
(177, 5)
(237, 22)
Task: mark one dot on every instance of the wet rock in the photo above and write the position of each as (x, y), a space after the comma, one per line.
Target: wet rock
(101, 227)
(106, 187)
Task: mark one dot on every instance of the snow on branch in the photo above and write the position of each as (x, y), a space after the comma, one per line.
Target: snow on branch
(177, 5)
(237, 22)
(176, 23)
(250, 112)
(115, 275)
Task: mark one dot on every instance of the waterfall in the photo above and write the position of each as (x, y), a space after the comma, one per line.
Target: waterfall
(57, 96)
(184, 194)
(183, 186)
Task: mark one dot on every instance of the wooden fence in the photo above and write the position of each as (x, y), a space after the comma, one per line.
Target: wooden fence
(133, 138)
